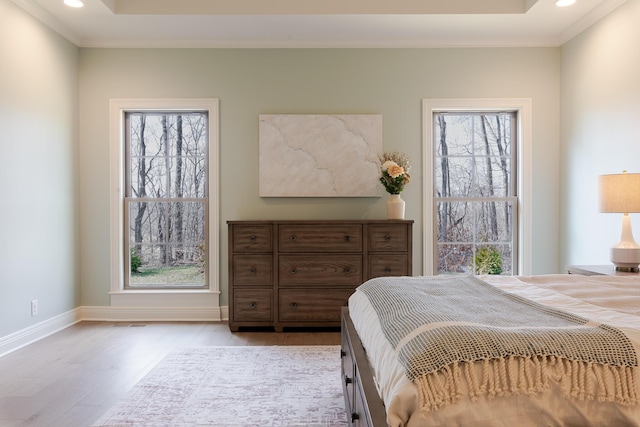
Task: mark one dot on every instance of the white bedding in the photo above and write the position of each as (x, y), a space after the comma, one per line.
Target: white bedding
(548, 409)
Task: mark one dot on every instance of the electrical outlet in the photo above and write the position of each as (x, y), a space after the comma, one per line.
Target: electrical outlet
(34, 307)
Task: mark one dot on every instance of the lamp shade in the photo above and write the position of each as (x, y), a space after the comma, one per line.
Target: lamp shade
(620, 192)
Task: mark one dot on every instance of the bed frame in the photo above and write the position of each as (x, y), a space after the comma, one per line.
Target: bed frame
(364, 405)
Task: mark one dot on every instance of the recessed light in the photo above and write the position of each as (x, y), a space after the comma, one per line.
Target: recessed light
(562, 3)
(74, 3)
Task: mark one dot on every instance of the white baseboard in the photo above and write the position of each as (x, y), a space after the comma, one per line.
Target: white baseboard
(33, 333)
(152, 314)
(24, 337)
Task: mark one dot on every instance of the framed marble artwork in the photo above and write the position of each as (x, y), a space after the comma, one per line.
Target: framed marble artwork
(319, 155)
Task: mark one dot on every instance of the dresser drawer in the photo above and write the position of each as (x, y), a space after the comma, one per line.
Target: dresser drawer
(320, 238)
(325, 270)
(388, 265)
(388, 237)
(252, 238)
(309, 305)
(252, 305)
(252, 270)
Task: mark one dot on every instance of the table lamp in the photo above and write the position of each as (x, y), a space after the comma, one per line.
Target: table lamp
(620, 193)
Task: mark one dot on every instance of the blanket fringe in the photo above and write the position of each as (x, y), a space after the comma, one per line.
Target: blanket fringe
(528, 376)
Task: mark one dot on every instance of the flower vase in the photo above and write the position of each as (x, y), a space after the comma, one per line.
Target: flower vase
(395, 207)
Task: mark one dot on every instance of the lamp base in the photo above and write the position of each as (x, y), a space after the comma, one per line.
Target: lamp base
(625, 259)
(628, 269)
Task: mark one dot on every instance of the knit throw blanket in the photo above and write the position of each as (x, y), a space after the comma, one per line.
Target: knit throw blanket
(459, 336)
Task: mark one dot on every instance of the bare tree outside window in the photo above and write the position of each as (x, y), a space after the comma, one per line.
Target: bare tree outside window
(475, 192)
(166, 200)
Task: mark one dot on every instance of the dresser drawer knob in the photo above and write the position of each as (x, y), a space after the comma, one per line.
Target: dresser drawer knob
(253, 270)
(387, 237)
(293, 237)
(293, 270)
(253, 238)
(347, 270)
(347, 238)
(387, 269)
(253, 305)
(293, 305)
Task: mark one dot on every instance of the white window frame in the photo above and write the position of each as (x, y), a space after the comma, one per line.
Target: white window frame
(522, 106)
(170, 304)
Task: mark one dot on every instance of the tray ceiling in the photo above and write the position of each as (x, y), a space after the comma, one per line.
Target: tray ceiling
(318, 23)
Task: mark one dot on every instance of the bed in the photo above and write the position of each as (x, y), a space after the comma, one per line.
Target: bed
(536, 390)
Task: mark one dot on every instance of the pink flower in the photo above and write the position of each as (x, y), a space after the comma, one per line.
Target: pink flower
(395, 171)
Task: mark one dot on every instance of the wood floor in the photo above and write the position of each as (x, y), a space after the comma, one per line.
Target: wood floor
(72, 377)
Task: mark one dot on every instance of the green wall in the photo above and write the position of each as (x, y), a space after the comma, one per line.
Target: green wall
(600, 129)
(54, 98)
(38, 171)
(249, 82)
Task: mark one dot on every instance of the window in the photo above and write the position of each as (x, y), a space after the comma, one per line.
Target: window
(164, 207)
(475, 192)
(475, 185)
(165, 199)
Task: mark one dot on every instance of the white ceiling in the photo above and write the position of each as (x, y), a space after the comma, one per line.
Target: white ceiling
(318, 23)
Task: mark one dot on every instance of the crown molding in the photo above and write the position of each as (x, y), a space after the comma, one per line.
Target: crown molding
(48, 19)
(316, 7)
(589, 19)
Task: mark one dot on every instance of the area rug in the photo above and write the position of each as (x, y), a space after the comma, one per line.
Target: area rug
(237, 386)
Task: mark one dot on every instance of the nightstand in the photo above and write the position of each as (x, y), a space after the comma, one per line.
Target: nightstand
(597, 270)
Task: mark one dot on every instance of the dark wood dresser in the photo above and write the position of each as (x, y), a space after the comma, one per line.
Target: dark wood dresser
(300, 273)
